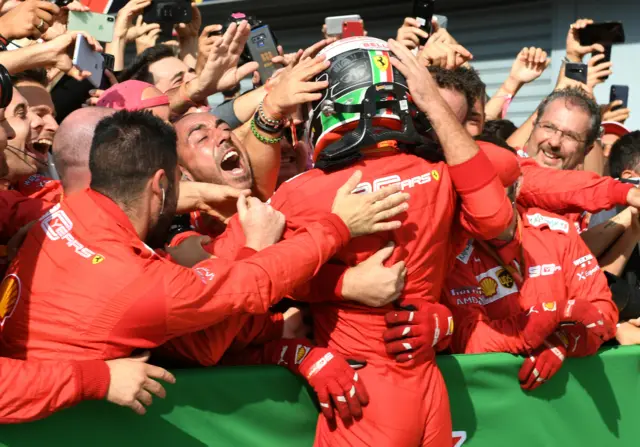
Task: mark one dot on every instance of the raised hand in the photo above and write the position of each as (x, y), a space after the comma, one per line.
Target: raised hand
(529, 65)
(445, 55)
(409, 34)
(293, 87)
(575, 51)
(30, 18)
(221, 71)
(367, 213)
(598, 70)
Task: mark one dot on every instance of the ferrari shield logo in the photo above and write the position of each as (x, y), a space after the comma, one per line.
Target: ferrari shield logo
(505, 278)
(435, 175)
(382, 62)
(10, 291)
(97, 259)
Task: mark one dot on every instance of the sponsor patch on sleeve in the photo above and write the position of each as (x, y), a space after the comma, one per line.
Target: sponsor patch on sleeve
(538, 220)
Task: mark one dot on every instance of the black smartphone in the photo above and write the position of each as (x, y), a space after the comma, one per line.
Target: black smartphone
(619, 92)
(263, 47)
(423, 11)
(168, 12)
(577, 72)
(605, 33)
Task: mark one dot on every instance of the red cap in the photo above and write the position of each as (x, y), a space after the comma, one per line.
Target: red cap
(503, 160)
(128, 95)
(615, 128)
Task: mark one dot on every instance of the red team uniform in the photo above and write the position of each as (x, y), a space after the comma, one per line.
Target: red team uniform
(556, 264)
(84, 263)
(423, 242)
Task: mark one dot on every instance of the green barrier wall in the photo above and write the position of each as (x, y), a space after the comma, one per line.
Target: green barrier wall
(590, 402)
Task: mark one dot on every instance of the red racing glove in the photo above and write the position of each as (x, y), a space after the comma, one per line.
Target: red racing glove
(418, 333)
(543, 363)
(580, 342)
(329, 374)
(542, 319)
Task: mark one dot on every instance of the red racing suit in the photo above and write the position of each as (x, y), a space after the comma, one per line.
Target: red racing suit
(569, 193)
(35, 389)
(484, 298)
(86, 286)
(408, 402)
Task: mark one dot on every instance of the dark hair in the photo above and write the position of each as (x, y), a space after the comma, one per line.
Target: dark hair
(625, 154)
(450, 80)
(577, 97)
(37, 75)
(472, 84)
(502, 129)
(139, 68)
(127, 149)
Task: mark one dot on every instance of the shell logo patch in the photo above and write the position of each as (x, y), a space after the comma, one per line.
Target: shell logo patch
(550, 306)
(301, 353)
(97, 259)
(435, 175)
(505, 278)
(10, 290)
(489, 287)
(382, 62)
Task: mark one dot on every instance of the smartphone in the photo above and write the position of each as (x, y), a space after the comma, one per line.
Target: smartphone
(443, 21)
(334, 24)
(577, 72)
(605, 33)
(86, 59)
(423, 12)
(352, 29)
(262, 48)
(99, 26)
(168, 12)
(619, 92)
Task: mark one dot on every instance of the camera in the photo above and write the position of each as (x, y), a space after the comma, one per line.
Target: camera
(168, 12)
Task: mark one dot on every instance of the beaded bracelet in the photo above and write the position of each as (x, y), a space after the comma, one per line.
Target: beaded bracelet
(266, 127)
(262, 138)
(270, 121)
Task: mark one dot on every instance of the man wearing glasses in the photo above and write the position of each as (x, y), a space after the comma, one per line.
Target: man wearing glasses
(566, 127)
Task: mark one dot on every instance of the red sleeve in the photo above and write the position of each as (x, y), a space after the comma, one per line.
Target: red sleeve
(260, 329)
(31, 390)
(17, 210)
(486, 210)
(585, 280)
(216, 289)
(325, 286)
(569, 191)
(474, 332)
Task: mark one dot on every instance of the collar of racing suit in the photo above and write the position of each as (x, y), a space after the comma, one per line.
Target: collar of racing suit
(111, 208)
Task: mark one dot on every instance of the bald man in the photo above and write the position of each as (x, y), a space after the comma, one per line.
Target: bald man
(71, 147)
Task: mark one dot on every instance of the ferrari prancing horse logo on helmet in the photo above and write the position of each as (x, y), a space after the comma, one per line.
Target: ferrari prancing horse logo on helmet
(382, 62)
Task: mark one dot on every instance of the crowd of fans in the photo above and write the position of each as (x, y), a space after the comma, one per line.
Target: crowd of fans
(139, 225)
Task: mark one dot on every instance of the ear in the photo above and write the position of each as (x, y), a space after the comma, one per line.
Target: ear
(159, 182)
(628, 173)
